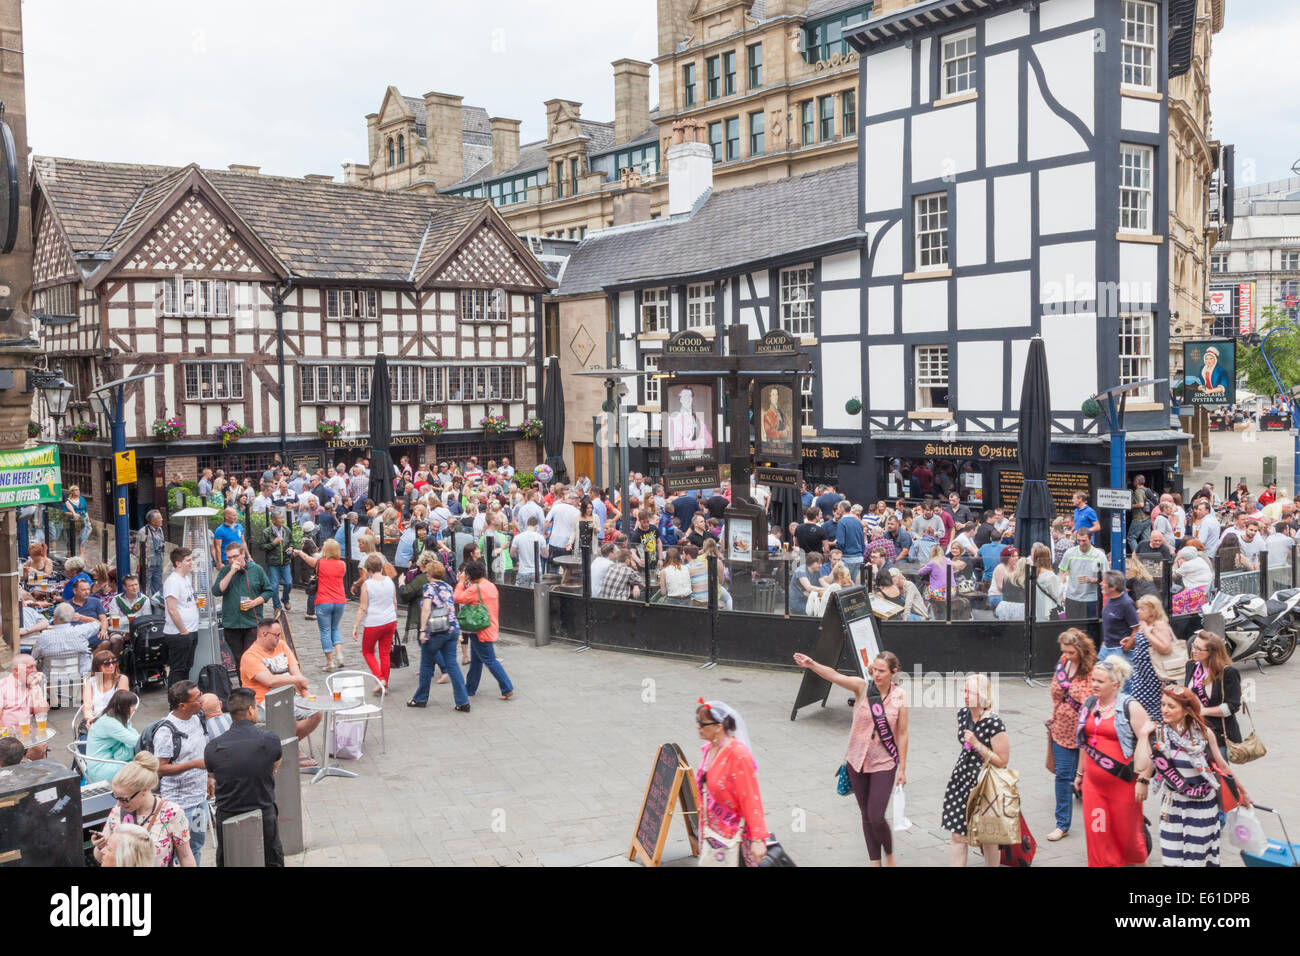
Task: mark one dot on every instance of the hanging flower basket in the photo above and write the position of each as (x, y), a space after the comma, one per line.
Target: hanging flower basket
(329, 428)
(532, 428)
(81, 431)
(492, 424)
(230, 432)
(33, 430)
(169, 429)
(432, 425)
(1090, 408)
(853, 406)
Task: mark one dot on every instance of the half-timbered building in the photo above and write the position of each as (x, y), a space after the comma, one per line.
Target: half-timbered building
(264, 300)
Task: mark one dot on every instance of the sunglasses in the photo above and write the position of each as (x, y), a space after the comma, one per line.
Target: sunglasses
(707, 723)
(126, 801)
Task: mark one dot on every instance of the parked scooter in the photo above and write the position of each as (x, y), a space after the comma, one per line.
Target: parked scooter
(1253, 627)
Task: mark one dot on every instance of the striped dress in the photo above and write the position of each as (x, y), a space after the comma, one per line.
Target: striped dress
(1189, 829)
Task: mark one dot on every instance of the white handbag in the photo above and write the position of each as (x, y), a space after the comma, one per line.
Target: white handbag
(1244, 831)
(900, 810)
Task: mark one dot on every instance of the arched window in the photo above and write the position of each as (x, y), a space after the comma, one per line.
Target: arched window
(390, 152)
(401, 149)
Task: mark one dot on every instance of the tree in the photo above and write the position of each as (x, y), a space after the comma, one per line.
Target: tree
(1283, 351)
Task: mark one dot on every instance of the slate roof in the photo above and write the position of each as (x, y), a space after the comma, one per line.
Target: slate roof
(728, 230)
(532, 156)
(824, 8)
(476, 133)
(317, 230)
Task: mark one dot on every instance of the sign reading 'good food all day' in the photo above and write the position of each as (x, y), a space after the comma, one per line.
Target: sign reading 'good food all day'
(30, 476)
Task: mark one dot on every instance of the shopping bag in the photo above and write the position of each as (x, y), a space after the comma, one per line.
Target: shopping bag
(900, 806)
(348, 735)
(1244, 831)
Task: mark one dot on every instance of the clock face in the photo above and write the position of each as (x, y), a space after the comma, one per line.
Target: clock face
(8, 190)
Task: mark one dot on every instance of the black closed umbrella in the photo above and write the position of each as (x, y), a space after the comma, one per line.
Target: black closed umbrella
(553, 419)
(787, 508)
(381, 433)
(1034, 510)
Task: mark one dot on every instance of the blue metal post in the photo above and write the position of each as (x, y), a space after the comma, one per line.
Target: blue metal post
(1118, 479)
(121, 523)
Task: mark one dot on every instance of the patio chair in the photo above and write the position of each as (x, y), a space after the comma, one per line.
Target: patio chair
(62, 677)
(353, 686)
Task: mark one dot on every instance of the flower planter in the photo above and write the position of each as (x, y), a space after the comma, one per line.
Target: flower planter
(168, 429)
(329, 428)
(229, 432)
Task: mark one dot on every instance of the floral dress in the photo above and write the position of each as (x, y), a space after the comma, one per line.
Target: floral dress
(730, 801)
(962, 780)
(443, 596)
(167, 826)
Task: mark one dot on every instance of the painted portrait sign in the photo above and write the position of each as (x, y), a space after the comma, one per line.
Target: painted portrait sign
(776, 422)
(688, 426)
(1210, 372)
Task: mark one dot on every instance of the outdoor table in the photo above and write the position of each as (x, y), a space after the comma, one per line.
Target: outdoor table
(572, 564)
(34, 739)
(329, 708)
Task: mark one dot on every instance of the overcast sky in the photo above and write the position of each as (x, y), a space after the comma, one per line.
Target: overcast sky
(286, 84)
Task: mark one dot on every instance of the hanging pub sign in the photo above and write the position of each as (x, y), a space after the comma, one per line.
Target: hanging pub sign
(691, 480)
(688, 342)
(1210, 372)
(778, 438)
(776, 342)
(778, 477)
(686, 431)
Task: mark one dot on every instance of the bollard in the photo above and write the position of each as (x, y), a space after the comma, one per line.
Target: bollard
(288, 779)
(541, 613)
(241, 840)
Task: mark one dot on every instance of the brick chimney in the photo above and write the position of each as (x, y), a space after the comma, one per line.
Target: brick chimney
(631, 200)
(372, 137)
(631, 99)
(318, 178)
(356, 174)
(690, 166)
(505, 143)
(248, 170)
(445, 135)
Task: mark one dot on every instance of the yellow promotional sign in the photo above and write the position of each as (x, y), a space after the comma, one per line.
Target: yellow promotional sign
(124, 467)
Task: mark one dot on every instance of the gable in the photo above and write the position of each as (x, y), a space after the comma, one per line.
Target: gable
(51, 261)
(394, 108)
(194, 237)
(485, 259)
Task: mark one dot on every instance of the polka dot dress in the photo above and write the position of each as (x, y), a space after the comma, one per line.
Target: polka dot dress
(969, 762)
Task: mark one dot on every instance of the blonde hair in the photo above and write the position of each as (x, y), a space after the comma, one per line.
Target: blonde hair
(1017, 576)
(426, 559)
(840, 575)
(330, 550)
(140, 774)
(134, 846)
(1139, 570)
(366, 543)
(1119, 669)
(1153, 606)
(983, 689)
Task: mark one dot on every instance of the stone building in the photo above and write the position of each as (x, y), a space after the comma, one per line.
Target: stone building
(263, 301)
(1258, 265)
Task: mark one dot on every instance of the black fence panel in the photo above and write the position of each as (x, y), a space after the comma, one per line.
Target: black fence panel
(664, 629)
(517, 609)
(746, 638)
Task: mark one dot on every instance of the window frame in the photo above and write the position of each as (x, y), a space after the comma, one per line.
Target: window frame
(716, 143)
(807, 403)
(1288, 261)
(688, 84)
(653, 394)
(361, 304)
(231, 376)
(1143, 360)
(798, 300)
(757, 137)
(713, 77)
(732, 151)
(480, 305)
(848, 113)
(1218, 263)
(939, 255)
(728, 72)
(658, 298)
(193, 298)
(754, 65)
(958, 72)
(922, 386)
(1128, 213)
(807, 123)
(1134, 50)
(700, 306)
(826, 118)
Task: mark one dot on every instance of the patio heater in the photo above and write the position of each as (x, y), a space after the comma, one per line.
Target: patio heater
(198, 538)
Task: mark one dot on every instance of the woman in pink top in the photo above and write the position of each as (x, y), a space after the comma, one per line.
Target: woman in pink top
(877, 755)
(733, 831)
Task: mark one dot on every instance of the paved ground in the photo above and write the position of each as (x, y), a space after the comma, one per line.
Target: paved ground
(555, 776)
(1230, 455)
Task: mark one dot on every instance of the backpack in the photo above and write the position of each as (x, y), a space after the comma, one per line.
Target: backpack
(215, 679)
(146, 737)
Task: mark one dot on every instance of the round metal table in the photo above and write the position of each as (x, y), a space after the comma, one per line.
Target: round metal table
(329, 708)
(35, 739)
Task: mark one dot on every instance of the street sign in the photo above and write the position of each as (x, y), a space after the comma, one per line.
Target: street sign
(1120, 499)
(124, 467)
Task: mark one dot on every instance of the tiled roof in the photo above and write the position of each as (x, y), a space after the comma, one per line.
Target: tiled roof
(728, 230)
(532, 156)
(824, 8)
(318, 230)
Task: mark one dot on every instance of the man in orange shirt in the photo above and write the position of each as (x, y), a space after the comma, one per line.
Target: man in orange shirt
(269, 664)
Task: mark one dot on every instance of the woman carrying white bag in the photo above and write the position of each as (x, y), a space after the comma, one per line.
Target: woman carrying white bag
(877, 754)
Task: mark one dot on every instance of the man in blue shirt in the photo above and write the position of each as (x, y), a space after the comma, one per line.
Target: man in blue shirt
(802, 583)
(828, 499)
(991, 556)
(1085, 519)
(230, 530)
(805, 496)
(850, 539)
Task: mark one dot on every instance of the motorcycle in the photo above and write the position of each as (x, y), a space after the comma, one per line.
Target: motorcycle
(1255, 628)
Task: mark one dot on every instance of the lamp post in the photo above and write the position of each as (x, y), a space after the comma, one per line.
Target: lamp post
(109, 400)
(54, 389)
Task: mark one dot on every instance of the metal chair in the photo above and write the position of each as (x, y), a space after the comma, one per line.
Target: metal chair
(352, 686)
(62, 674)
(78, 750)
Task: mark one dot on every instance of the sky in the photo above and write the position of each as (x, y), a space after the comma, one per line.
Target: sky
(285, 84)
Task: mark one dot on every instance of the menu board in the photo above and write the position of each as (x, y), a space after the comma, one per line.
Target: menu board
(670, 780)
(854, 627)
(1062, 485)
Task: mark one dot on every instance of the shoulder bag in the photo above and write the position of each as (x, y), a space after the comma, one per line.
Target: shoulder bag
(993, 808)
(1251, 748)
(1171, 666)
(474, 618)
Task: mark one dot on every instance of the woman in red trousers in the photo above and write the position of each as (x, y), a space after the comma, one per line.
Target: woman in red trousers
(378, 615)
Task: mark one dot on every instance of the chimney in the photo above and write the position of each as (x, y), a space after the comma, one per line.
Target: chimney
(505, 143)
(318, 178)
(632, 200)
(248, 170)
(674, 23)
(445, 135)
(372, 136)
(690, 166)
(631, 99)
(355, 174)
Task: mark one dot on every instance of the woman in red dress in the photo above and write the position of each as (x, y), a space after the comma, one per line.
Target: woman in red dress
(732, 829)
(1114, 768)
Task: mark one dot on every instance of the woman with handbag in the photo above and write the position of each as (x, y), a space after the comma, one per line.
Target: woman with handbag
(1115, 767)
(1158, 657)
(378, 615)
(439, 632)
(1211, 676)
(983, 738)
(1049, 601)
(732, 828)
(877, 756)
(479, 613)
(1071, 686)
(1189, 770)
(330, 600)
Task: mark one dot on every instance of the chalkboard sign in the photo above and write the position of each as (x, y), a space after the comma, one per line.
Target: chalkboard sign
(670, 780)
(847, 624)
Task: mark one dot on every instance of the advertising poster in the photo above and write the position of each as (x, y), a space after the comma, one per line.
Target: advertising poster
(1210, 373)
(776, 423)
(688, 424)
(30, 476)
(740, 540)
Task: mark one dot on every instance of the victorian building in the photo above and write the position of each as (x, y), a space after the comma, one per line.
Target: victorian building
(263, 301)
